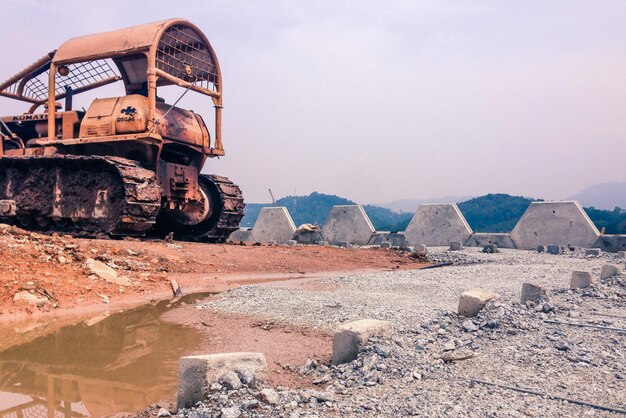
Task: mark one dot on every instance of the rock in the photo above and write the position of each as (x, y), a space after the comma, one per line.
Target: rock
(350, 338)
(178, 292)
(104, 299)
(621, 254)
(608, 271)
(541, 249)
(163, 413)
(30, 299)
(469, 326)
(105, 272)
(455, 246)
(580, 280)
(343, 244)
(230, 381)
(531, 293)
(420, 249)
(196, 373)
(385, 245)
(490, 248)
(381, 350)
(593, 251)
(472, 301)
(233, 412)
(292, 242)
(554, 249)
(268, 396)
(247, 376)
(449, 346)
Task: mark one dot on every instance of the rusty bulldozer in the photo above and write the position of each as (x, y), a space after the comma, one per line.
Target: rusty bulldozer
(128, 165)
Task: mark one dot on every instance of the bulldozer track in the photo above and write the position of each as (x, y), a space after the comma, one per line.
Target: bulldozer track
(79, 194)
(232, 208)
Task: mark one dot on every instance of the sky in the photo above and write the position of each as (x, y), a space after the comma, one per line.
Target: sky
(384, 100)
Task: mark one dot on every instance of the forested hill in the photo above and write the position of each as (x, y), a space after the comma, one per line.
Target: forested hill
(315, 207)
(489, 213)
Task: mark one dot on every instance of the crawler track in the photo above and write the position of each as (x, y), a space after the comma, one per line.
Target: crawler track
(87, 194)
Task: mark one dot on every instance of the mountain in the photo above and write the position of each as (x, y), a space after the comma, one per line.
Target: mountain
(494, 212)
(315, 207)
(411, 205)
(605, 196)
(489, 213)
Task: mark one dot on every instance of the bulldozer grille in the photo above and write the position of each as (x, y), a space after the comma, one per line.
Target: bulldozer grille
(182, 53)
(81, 74)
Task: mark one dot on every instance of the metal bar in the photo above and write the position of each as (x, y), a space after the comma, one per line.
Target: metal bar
(77, 91)
(51, 99)
(26, 71)
(547, 395)
(434, 266)
(183, 83)
(573, 324)
(16, 97)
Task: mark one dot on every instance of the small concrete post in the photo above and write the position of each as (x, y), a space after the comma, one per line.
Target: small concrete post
(472, 301)
(580, 280)
(350, 338)
(531, 293)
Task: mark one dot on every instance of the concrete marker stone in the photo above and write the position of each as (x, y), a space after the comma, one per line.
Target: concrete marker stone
(196, 373)
(608, 271)
(531, 293)
(350, 338)
(473, 300)
(580, 280)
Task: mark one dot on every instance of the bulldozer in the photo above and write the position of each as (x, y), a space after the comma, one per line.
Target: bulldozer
(128, 165)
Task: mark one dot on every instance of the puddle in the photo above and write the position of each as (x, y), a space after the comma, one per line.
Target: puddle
(119, 363)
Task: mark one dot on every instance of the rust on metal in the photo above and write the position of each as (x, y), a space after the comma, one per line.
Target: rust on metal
(113, 134)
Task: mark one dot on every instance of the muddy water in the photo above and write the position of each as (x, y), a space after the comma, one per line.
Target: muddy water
(103, 366)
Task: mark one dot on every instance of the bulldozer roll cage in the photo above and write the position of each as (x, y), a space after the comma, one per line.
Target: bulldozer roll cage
(144, 57)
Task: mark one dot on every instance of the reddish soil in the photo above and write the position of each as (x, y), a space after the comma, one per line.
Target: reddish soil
(52, 266)
(285, 348)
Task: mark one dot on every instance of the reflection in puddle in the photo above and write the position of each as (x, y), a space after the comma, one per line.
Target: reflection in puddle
(122, 362)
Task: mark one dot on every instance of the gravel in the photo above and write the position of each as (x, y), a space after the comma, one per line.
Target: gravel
(430, 365)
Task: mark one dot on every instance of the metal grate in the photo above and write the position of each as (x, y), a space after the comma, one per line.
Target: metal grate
(182, 53)
(81, 74)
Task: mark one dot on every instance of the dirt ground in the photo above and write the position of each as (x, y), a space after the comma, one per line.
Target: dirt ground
(52, 267)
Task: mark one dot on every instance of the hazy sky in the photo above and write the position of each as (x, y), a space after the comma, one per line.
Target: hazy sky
(383, 100)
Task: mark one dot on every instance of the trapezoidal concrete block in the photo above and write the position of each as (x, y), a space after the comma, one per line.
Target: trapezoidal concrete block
(347, 223)
(480, 239)
(554, 223)
(273, 224)
(436, 225)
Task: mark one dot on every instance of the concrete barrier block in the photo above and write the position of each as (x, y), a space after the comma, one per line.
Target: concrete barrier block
(196, 373)
(593, 251)
(479, 239)
(611, 243)
(437, 225)
(608, 271)
(273, 224)
(580, 280)
(560, 223)
(455, 246)
(531, 293)
(347, 223)
(350, 338)
(473, 300)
